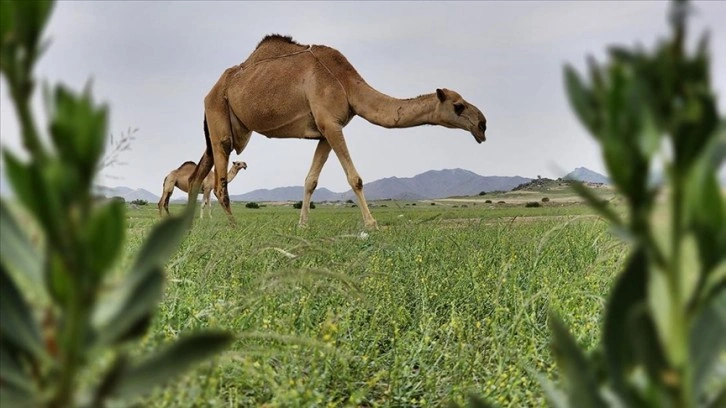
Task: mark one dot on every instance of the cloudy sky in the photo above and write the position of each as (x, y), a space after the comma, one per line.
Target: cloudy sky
(153, 63)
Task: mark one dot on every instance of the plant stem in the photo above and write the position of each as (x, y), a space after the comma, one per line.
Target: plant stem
(680, 321)
(20, 94)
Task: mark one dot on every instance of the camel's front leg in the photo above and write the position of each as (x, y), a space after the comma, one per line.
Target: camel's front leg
(311, 181)
(221, 160)
(205, 202)
(334, 134)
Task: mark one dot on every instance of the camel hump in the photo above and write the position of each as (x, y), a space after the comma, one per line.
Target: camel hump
(274, 45)
(277, 38)
(187, 163)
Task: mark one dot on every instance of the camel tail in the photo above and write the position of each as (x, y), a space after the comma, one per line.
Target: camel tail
(206, 136)
(205, 163)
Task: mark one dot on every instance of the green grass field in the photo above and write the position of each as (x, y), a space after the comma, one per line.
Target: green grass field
(443, 300)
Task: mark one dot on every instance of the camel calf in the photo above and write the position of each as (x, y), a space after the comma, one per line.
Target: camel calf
(179, 178)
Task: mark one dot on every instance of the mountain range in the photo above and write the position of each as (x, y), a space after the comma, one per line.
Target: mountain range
(428, 185)
(431, 184)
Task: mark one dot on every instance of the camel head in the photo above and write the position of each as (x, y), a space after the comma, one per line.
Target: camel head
(454, 112)
(239, 165)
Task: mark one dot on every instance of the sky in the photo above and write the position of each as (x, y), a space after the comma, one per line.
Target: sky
(153, 62)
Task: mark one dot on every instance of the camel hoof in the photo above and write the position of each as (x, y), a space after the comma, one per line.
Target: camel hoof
(302, 225)
(372, 226)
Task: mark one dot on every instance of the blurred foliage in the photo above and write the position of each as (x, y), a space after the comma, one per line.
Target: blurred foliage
(664, 333)
(60, 312)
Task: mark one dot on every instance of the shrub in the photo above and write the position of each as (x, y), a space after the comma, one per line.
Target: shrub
(433, 203)
(501, 202)
(664, 325)
(481, 193)
(139, 201)
(252, 204)
(532, 204)
(298, 205)
(66, 274)
(349, 201)
(545, 199)
(488, 201)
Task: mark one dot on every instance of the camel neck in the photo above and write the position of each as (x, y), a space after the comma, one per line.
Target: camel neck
(389, 112)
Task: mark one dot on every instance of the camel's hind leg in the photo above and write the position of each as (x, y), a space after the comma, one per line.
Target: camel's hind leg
(311, 181)
(168, 188)
(220, 139)
(200, 172)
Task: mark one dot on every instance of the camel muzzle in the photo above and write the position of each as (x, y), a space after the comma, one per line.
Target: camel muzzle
(480, 132)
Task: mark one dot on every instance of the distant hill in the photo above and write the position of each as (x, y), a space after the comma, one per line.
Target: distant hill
(586, 175)
(127, 193)
(431, 184)
(285, 194)
(437, 184)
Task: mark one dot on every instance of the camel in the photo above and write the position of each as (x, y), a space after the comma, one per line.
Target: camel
(288, 90)
(179, 178)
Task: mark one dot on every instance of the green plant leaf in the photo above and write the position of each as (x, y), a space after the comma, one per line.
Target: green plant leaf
(20, 178)
(555, 396)
(719, 401)
(705, 207)
(690, 268)
(649, 137)
(11, 372)
(581, 100)
(17, 253)
(582, 389)
(16, 320)
(7, 22)
(170, 362)
(57, 279)
(597, 203)
(644, 341)
(110, 380)
(715, 282)
(708, 340)
(126, 312)
(31, 17)
(628, 293)
(14, 397)
(478, 402)
(161, 244)
(35, 194)
(105, 235)
(662, 310)
(78, 130)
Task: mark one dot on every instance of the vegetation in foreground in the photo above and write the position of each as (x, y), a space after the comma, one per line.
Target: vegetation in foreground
(435, 305)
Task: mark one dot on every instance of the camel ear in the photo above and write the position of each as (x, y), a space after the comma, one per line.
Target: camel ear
(440, 93)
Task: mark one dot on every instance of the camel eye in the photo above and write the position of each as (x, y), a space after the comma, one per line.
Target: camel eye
(459, 108)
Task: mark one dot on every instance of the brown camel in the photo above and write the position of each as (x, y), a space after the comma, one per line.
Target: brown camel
(179, 178)
(288, 90)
